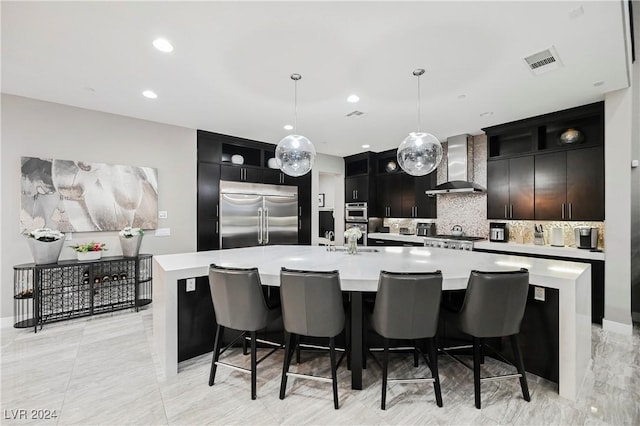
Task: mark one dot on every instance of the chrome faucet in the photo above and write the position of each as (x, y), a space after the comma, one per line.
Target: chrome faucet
(330, 236)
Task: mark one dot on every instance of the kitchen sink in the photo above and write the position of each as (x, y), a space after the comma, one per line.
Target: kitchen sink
(360, 249)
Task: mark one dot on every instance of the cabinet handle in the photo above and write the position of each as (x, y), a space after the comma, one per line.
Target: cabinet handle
(506, 216)
(217, 210)
(299, 210)
(356, 191)
(511, 211)
(217, 227)
(300, 224)
(570, 210)
(563, 210)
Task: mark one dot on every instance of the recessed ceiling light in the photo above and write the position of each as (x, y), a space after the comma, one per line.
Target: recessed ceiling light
(163, 45)
(462, 96)
(598, 83)
(366, 146)
(486, 114)
(149, 94)
(288, 127)
(353, 99)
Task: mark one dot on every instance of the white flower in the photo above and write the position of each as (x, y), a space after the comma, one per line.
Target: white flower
(45, 234)
(353, 233)
(129, 232)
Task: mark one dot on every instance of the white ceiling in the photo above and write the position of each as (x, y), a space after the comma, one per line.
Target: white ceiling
(229, 72)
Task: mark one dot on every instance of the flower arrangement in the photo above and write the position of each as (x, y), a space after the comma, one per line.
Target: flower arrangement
(45, 235)
(129, 232)
(92, 246)
(353, 233)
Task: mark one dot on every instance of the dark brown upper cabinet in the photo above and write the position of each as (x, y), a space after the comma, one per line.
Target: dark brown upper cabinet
(570, 185)
(510, 190)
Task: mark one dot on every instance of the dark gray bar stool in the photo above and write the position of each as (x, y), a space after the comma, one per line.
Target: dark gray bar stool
(407, 307)
(311, 306)
(238, 302)
(493, 306)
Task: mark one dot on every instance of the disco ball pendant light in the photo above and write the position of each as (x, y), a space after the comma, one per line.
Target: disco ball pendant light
(295, 153)
(419, 153)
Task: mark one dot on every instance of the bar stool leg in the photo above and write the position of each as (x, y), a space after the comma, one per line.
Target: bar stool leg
(520, 366)
(433, 358)
(253, 365)
(385, 365)
(216, 353)
(244, 343)
(288, 352)
(477, 358)
(334, 379)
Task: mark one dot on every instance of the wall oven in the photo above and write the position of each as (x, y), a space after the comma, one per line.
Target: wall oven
(356, 212)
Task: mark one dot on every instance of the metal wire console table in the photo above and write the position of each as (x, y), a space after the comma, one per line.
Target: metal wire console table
(71, 289)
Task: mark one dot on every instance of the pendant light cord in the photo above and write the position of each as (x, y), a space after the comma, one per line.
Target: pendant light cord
(419, 112)
(295, 106)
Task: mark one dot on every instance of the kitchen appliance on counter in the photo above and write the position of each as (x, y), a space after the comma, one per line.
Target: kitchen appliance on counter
(557, 237)
(424, 229)
(498, 232)
(451, 242)
(586, 238)
(356, 212)
(253, 214)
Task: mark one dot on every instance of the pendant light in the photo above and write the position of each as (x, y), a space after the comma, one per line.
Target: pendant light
(419, 153)
(295, 153)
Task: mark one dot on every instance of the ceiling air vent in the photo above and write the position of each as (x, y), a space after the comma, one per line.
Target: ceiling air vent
(355, 114)
(544, 61)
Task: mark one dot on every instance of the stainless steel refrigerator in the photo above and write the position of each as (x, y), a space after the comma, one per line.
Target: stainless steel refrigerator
(253, 214)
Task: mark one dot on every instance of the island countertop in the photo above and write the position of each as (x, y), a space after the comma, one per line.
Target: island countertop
(359, 273)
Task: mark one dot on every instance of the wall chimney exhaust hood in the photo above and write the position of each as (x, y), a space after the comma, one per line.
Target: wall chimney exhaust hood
(459, 169)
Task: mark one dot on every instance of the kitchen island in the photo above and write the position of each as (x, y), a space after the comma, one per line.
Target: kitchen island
(359, 273)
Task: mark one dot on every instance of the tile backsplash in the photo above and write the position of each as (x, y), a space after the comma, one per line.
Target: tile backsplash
(470, 210)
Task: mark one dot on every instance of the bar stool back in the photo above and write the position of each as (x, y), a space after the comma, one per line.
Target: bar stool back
(407, 306)
(238, 302)
(493, 306)
(311, 306)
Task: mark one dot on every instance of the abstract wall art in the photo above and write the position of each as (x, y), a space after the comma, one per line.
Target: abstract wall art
(78, 196)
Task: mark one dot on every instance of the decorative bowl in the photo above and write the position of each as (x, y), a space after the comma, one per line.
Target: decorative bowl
(272, 163)
(237, 159)
(391, 166)
(571, 136)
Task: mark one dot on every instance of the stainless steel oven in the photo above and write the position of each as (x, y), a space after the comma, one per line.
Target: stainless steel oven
(362, 241)
(356, 212)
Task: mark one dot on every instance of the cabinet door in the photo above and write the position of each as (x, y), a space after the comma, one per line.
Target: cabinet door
(585, 184)
(304, 209)
(408, 195)
(425, 204)
(551, 186)
(355, 189)
(274, 176)
(389, 195)
(521, 204)
(498, 189)
(208, 203)
(240, 174)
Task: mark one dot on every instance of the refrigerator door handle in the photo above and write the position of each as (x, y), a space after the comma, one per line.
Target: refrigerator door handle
(266, 225)
(260, 225)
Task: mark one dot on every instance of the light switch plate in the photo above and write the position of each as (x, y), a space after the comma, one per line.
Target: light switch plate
(163, 232)
(539, 293)
(162, 214)
(191, 284)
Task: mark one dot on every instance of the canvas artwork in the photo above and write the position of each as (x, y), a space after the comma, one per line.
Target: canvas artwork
(77, 196)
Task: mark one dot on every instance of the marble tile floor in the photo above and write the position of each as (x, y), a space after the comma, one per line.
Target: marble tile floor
(103, 370)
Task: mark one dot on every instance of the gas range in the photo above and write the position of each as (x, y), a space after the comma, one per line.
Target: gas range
(453, 242)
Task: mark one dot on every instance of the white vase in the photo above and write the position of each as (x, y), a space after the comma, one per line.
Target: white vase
(130, 246)
(89, 255)
(45, 252)
(352, 247)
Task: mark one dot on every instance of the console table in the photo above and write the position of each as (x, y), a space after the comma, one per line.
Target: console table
(71, 288)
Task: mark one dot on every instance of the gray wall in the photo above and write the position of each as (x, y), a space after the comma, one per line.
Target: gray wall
(635, 173)
(42, 129)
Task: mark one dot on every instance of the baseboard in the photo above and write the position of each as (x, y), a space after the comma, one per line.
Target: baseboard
(617, 327)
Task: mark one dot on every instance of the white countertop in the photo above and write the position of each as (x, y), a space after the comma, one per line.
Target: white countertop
(360, 272)
(546, 250)
(396, 237)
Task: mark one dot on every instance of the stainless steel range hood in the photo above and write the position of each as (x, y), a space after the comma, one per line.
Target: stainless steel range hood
(459, 169)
